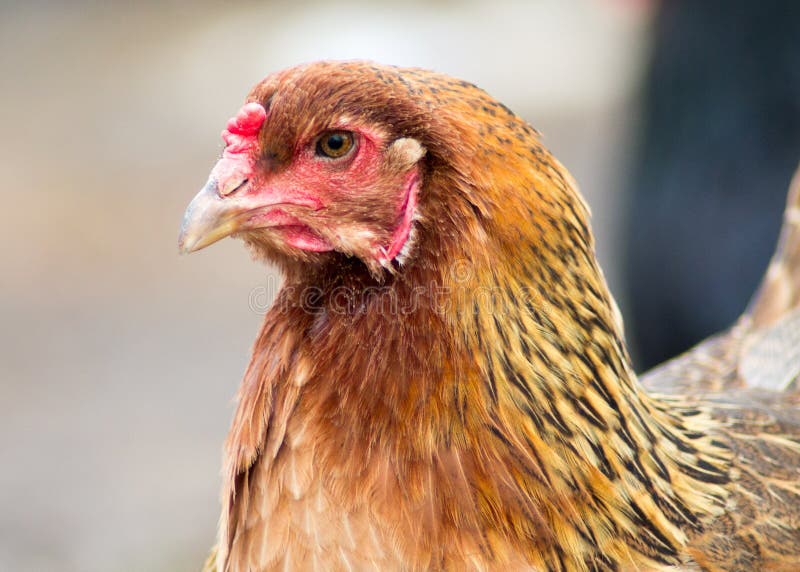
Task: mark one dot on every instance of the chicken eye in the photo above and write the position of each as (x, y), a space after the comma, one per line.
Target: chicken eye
(335, 144)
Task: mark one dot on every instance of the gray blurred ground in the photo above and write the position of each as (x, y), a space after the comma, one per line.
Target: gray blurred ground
(118, 359)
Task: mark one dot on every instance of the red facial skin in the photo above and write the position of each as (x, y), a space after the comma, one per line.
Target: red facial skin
(406, 209)
(295, 202)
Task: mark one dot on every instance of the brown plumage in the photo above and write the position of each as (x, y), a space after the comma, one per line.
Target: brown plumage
(442, 381)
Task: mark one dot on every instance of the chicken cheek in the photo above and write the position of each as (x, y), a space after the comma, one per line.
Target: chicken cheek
(375, 201)
(370, 202)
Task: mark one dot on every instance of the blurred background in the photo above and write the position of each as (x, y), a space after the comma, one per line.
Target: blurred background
(119, 360)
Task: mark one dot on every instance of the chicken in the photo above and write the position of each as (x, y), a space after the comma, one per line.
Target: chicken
(442, 381)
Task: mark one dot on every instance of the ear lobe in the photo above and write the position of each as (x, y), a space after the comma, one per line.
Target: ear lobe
(404, 153)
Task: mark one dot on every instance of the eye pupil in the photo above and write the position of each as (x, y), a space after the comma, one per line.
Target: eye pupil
(335, 144)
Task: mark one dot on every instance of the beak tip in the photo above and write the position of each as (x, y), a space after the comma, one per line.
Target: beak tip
(183, 247)
(205, 221)
(186, 246)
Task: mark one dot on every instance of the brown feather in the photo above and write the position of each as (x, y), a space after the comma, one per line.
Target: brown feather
(474, 407)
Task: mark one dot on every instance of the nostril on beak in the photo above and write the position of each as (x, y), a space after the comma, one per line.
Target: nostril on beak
(232, 186)
(240, 185)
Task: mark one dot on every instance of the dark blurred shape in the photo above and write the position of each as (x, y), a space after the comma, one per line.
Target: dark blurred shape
(720, 139)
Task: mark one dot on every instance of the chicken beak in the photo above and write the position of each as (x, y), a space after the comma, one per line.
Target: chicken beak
(208, 218)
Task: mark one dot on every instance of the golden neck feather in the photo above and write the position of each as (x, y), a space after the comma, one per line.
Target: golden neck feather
(499, 342)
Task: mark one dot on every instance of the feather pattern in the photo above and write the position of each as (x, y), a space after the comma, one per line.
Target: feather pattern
(473, 406)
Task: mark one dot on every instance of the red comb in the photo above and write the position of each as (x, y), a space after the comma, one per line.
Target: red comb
(241, 130)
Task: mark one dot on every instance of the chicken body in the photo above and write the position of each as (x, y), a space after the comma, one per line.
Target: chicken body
(442, 382)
